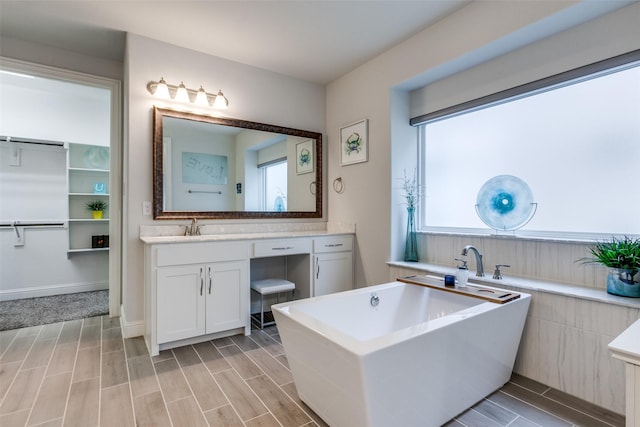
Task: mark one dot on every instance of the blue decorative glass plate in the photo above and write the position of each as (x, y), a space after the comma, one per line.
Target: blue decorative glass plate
(505, 202)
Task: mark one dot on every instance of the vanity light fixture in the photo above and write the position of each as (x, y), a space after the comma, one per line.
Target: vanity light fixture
(181, 93)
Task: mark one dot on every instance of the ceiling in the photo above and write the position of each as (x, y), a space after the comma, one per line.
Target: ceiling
(312, 40)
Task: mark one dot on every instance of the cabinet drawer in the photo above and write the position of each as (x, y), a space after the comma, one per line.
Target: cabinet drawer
(333, 244)
(198, 253)
(267, 248)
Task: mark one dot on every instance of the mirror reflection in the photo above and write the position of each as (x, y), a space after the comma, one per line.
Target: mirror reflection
(210, 167)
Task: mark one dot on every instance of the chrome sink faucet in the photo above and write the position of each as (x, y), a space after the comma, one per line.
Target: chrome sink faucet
(193, 229)
(479, 266)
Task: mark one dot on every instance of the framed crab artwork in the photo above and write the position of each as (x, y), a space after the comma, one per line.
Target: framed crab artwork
(354, 143)
(304, 157)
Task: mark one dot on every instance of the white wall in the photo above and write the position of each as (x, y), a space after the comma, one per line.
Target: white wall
(60, 58)
(250, 91)
(54, 110)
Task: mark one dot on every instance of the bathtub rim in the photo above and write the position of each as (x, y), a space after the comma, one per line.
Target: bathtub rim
(364, 347)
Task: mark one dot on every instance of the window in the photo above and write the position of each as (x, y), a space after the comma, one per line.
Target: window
(573, 138)
(274, 185)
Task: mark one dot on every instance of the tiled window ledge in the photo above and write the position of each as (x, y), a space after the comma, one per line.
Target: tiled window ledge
(598, 295)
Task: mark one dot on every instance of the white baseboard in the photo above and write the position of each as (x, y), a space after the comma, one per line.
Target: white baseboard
(130, 329)
(45, 291)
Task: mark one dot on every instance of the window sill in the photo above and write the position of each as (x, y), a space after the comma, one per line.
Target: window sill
(531, 236)
(598, 295)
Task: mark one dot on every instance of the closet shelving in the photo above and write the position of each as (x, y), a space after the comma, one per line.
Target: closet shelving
(88, 179)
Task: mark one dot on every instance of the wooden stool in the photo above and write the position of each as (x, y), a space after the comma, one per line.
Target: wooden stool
(269, 287)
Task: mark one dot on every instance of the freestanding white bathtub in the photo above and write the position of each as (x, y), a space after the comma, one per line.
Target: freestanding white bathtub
(417, 358)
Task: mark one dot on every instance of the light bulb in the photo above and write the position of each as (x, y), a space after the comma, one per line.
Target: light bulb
(181, 94)
(221, 102)
(162, 90)
(201, 97)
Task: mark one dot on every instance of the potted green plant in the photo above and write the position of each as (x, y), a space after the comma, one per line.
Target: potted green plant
(622, 257)
(97, 207)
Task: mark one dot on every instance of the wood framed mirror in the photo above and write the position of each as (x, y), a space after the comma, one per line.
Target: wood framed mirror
(209, 167)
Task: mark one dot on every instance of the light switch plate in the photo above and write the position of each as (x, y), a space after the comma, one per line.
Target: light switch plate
(146, 208)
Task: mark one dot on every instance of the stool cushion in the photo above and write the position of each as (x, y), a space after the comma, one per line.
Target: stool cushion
(272, 286)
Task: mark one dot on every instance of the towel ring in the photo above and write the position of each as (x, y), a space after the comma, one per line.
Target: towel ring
(338, 185)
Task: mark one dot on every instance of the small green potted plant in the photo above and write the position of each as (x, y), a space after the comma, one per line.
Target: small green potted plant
(622, 257)
(97, 207)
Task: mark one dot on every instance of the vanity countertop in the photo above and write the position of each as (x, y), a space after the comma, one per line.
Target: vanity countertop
(167, 234)
(626, 346)
(152, 240)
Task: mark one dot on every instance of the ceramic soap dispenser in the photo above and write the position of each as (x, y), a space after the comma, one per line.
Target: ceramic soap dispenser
(462, 274)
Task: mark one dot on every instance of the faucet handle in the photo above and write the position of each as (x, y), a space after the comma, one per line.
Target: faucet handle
(464, 263)
(497, 274)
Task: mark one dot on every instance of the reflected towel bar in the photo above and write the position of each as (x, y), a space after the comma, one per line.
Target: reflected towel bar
(204, 191)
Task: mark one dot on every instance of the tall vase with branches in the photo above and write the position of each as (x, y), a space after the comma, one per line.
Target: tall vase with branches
(411, 190)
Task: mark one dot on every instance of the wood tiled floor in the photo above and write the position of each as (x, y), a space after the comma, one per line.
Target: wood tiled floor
(82, 373)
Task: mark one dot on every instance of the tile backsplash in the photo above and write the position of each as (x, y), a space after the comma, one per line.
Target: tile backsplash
(532, 259)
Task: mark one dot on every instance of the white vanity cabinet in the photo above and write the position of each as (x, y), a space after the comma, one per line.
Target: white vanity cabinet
(202, 299)
(333, 264)
(198, 289)
(195, 290)
(626, 347)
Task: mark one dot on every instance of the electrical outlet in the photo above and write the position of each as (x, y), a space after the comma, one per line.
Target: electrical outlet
(146, 208)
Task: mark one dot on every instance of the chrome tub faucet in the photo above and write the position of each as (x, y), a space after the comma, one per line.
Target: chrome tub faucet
(479, 266)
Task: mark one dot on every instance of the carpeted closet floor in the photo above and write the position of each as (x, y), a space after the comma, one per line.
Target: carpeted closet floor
(26, 312)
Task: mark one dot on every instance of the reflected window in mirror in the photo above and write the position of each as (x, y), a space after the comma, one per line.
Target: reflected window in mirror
(274, 188)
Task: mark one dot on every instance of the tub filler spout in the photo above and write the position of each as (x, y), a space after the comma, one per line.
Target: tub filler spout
(479, 266)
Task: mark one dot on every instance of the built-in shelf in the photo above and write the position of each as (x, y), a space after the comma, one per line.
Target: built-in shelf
(82, 251)
(91, 170)
(88, 179)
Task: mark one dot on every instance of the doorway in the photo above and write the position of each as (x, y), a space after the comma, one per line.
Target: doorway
(61, 152)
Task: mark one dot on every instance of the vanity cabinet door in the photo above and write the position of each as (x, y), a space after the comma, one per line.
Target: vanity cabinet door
(227, 294)
(180, 302)
(333, 272)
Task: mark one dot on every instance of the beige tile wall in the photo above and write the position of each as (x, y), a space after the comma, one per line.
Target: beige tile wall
(540, 260)
(565, 340)
(565, 346)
